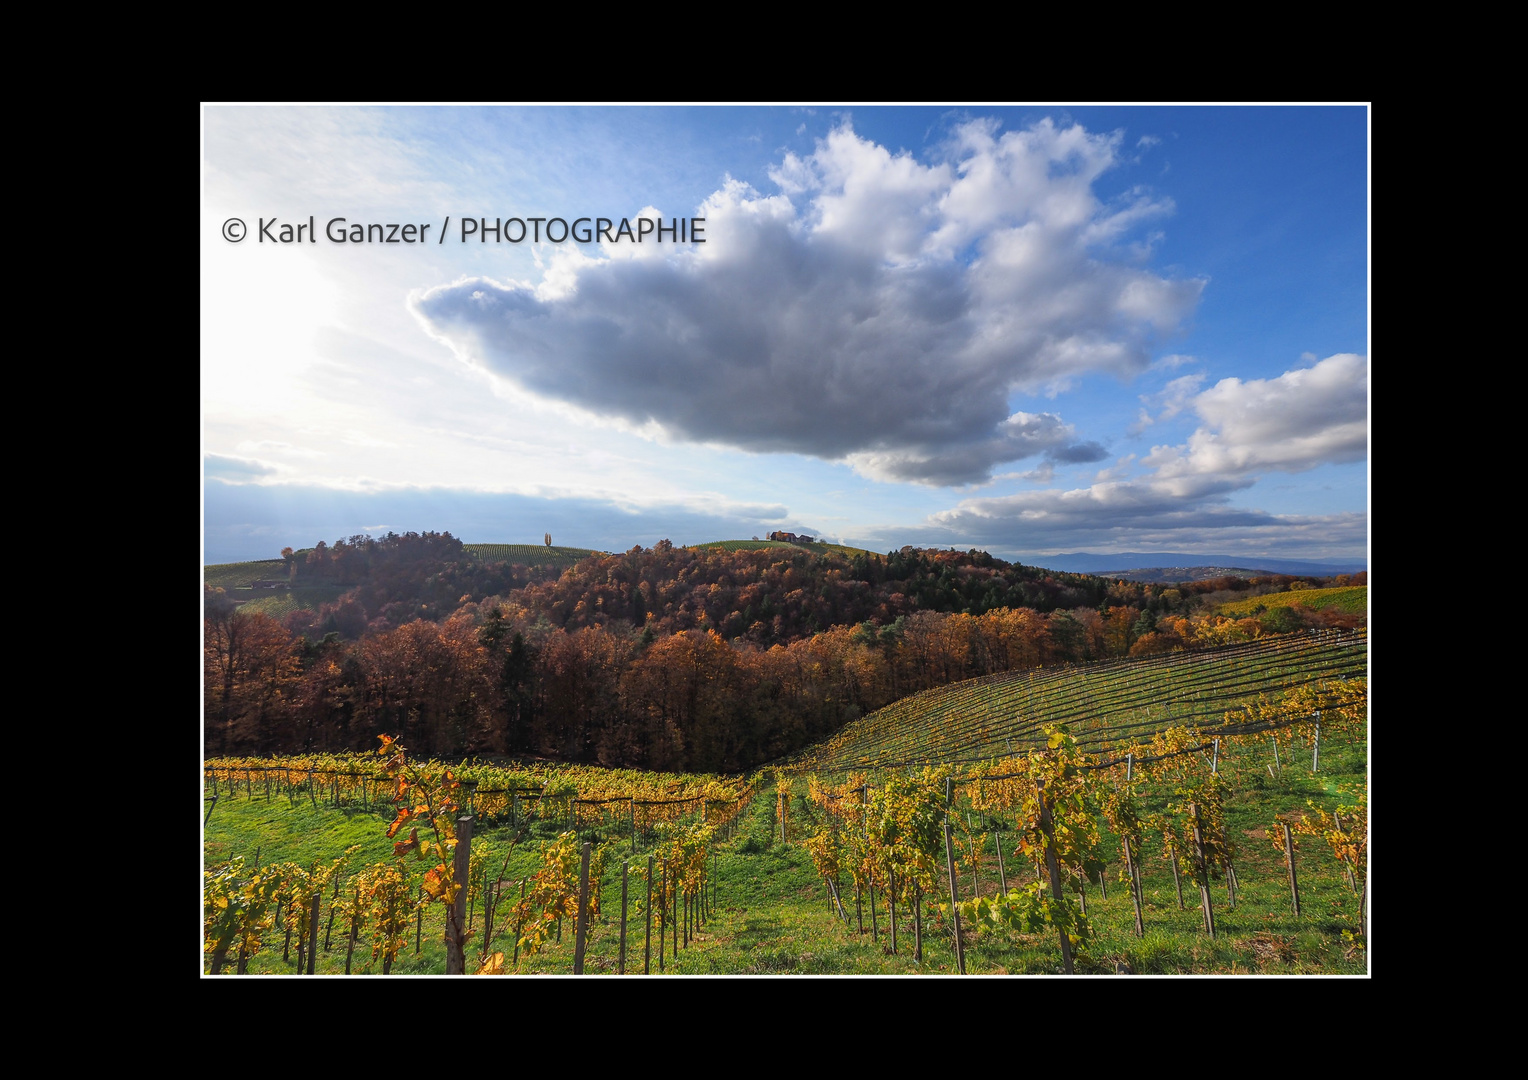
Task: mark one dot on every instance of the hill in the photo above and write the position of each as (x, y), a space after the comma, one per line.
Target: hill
(752, 545)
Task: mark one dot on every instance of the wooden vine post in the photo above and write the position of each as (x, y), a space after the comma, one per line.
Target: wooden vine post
(1225, 840)
(976, 854)
(456, 918)
(949, 856)
(647, 942)
(1289, 858)
(1202, 872)
(355, 930)
(1053, 868)
(620, 968)
(302, 938)
(581, 934)
(313, 909)
(329, 926)
(1130, 864)
(917, 922)
(1135, 888)
(949, 859)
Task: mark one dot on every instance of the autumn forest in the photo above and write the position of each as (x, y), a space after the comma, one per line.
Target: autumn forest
(695, 659)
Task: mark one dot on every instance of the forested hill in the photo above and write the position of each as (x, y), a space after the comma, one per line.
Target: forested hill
(775, 596)
(679, 658)
(770, 594)
(766, 595)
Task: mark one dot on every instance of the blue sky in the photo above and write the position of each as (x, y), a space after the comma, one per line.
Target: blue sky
(1027, 329)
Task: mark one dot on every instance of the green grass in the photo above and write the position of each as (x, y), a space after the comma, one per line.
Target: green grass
(773, 916)
(238, 575)
(1110, 700)
(234, 580)
(1351, 600)
(818, 548)
(279, 604)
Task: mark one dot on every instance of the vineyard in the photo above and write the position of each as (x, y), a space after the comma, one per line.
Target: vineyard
(1190, 813)
(238, 575)
(529, 554)
(753, 545)
(1102, 702)
(1351, 598)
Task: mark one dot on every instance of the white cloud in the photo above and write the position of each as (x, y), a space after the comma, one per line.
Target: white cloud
(1304, 418)
(883, 321)
(1172, 399)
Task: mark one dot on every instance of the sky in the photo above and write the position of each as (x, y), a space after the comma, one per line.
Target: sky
(1027, 329)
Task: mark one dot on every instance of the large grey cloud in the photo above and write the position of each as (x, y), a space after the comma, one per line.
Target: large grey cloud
(878, 311)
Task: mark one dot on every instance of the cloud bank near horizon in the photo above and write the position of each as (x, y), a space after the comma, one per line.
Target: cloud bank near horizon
(1303, 419)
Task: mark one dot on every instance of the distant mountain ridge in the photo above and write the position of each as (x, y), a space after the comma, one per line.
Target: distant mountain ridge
(1083, 562)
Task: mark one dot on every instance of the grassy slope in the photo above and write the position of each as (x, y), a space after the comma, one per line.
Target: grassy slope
(990, 716)
(234, 579)
(238, 575)
(1351, 600)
